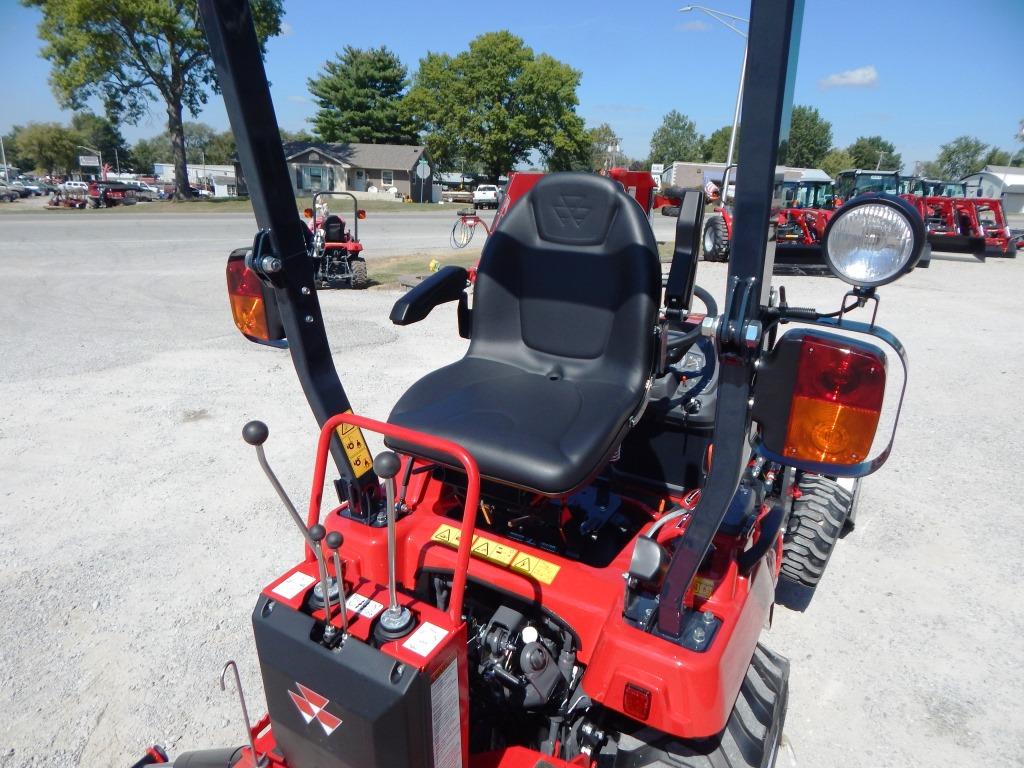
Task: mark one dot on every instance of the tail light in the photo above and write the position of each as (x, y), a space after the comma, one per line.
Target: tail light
(818, 401)
(837, 400)
(254, 311)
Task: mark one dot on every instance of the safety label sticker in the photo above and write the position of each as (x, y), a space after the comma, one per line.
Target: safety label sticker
(499, 554)
(425, 639)
(446, 720)
(703, 588)
(351, 438)
(293, 585)
(364, 606)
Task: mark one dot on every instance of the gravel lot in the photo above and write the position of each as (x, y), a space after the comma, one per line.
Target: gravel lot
(138, 528)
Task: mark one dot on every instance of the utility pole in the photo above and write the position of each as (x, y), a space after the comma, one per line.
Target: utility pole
(3, 158)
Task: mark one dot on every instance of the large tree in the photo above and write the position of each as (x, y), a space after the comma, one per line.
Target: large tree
(129, 53)
(715, 148)
(962, 156)
(47, 147)
(602, 138)
(837, 160)
(874, 152)
(810, 138)
(496, 104)
(676, 140)
(359, 97)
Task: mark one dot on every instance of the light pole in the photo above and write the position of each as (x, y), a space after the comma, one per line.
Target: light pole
(721, 17)
(98, 155)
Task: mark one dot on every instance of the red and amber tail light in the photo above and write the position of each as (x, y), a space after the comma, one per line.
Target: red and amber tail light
(837, 401)
(251, 307)
(819, 398)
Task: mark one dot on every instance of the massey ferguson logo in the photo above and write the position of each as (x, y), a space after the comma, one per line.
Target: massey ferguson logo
(311, 706)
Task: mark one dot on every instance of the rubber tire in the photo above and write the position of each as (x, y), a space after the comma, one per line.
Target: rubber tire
(751, 737)
(359, 276)
(715, 234)
(670, 210)
(815, 524)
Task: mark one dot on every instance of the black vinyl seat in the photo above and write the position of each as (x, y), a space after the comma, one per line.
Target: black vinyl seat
(334, 229)
(563, 339)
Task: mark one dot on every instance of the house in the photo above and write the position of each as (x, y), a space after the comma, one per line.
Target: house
(323, 166)
(1002, 182)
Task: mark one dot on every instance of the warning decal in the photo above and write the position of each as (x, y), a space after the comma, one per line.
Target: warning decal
(351, 438)
(293, 585)
(499, 554)
(445, 718)
(703, 588)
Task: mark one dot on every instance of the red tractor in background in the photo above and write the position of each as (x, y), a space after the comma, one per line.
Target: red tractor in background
(958, 223)
(335, 245)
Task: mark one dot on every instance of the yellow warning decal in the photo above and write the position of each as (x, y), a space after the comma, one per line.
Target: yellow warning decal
(499, 554)
(352, 441)
(703, 588)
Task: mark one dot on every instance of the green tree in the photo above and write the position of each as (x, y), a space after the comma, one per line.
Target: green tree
(997, 156)
(870, 152)
(497, 103)
(929, 170)
(962, 156)
(601, 137)
(102, 134)
(810, 138)
(129, 53)
(837, 160)
(300, 135)
(146, 152)
(47, 147)
(359, 96)
(676, 140)
(14, 158)
(715, 148)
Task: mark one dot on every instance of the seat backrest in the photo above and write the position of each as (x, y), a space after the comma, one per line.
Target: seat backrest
(569, 284)
(334, 229)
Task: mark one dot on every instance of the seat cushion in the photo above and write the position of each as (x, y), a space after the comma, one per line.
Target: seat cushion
(536, 431)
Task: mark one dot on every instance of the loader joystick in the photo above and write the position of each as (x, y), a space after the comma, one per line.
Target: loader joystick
(334, 541)
(255, 433)
(397, 620)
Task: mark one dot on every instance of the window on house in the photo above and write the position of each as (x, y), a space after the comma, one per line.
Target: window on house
(387, 178)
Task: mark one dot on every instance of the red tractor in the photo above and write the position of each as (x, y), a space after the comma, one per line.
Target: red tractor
(335, 246)
(958, 223)
(568, 550)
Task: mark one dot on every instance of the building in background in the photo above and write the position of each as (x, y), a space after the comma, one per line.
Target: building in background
(1002, 182)
(199, 175)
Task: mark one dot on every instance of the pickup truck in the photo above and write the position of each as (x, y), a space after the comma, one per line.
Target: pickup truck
(485, 196)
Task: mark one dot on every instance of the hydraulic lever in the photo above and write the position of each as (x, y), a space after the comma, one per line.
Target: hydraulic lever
(255, 433)
(334, 541)
(397, 620)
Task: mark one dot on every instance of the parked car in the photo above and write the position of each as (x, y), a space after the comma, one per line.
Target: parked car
(20, 188)
(31, 185)
(144, 192)
(8, 194)
(485, 196)
(75, 186)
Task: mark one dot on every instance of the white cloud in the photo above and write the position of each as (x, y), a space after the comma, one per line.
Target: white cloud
(287, 29)
(693, 26)
(862, 77)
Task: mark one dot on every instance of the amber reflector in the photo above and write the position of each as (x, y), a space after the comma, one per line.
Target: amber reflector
(837, 400)
(246, 294)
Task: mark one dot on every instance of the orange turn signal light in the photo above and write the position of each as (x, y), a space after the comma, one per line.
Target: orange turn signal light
(837, 401)
(360, 214)
(247, 304)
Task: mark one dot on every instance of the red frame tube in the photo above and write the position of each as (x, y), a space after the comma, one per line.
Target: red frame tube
(426, 441)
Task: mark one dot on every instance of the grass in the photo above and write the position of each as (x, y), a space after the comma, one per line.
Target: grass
(388, 271)
(232, 205)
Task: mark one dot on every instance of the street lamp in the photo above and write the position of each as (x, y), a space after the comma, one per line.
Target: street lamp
(721, 17)
(98, 155)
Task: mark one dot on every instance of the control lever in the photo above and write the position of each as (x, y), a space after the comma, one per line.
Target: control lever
(334, 540)
(258, 760)
(397, 620)
(255, 433)
(317, 533)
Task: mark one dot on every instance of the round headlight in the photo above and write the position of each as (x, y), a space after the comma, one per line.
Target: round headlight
(873, 239)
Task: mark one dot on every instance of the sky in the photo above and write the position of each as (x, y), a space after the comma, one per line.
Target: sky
(919, 73)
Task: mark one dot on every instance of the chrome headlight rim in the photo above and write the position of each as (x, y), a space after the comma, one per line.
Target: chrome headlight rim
(901, 206)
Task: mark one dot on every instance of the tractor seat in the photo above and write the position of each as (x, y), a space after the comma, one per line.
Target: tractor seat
(334, 229)
(563, 341)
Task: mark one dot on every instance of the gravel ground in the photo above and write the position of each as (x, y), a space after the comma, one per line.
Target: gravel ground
(138, 528)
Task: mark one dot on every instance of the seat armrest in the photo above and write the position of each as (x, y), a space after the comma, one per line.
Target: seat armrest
(447, 284)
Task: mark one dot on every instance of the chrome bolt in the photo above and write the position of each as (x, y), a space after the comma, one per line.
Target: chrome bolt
(305, 291)
(309, 319)
(709, 326)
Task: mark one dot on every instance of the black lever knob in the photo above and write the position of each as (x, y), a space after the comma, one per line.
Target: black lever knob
(334, 540)
(255, 433)
(317, 533)
(387, 464)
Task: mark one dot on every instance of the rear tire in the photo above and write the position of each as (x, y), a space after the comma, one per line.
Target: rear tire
(670, 210)
(751, 737)
(716, 240)
(359, 275)
(815, 524)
